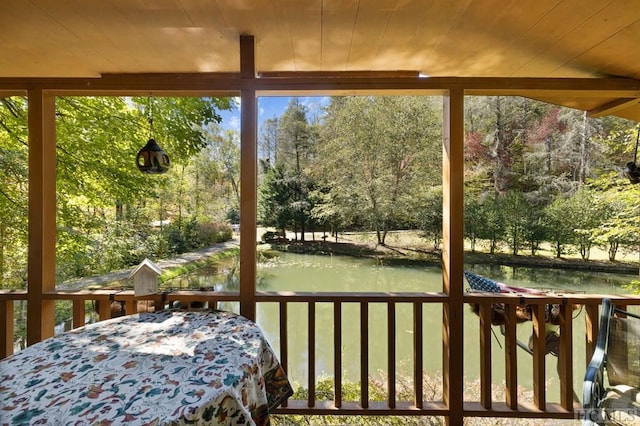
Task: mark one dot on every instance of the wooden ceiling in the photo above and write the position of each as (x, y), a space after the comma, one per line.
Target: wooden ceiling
(438, 38)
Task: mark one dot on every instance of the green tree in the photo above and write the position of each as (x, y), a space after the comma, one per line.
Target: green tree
(514, 207)
(13, 192)
(559, 224)
(377, 154)
(276, 195)
(98, 184)
(268, 140)
(289, 144)
(535, 229)
(430, 215)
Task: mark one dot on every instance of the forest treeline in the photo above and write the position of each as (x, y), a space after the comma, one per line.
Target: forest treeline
(534, 173)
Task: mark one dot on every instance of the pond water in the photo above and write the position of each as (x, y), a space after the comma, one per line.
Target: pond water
(308, 273)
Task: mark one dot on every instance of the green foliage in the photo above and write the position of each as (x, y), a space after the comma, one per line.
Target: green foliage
(376, 155)
(534, 173)
(104, 204)
(378, 392)
(515, 207)
(430, 215)
(13, 192)
(286, 193)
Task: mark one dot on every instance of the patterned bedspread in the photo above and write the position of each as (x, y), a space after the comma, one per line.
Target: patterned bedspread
(165, 368)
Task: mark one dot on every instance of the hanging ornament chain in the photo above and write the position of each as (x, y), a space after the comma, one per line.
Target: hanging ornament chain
(150, 119)
(635, 153)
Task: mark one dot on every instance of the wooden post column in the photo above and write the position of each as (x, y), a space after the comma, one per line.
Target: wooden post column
(42, 215)
(453, 253)
(248, 180)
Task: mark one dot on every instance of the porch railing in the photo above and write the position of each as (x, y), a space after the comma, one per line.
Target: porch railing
(486, 406)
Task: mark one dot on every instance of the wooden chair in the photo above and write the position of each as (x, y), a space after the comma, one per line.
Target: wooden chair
(611, 388)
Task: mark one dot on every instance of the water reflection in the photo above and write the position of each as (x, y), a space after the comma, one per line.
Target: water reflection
(308, 273)
(557, 280)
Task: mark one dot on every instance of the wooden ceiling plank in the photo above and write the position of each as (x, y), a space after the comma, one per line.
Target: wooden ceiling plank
(485, 29)
(304, 21)
(401, 41)
(611, 56)
(603, 42)
(443, 17)
(586, 26)
(338, 27)
(274, 46)
(366, 35)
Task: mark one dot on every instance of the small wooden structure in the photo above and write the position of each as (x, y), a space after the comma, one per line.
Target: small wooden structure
(145, 278)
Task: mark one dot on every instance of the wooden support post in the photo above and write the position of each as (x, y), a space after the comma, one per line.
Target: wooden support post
(42, 215)
(248, 181)
(453, 254)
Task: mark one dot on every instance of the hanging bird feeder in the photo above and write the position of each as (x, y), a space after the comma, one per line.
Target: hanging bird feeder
(152, 158)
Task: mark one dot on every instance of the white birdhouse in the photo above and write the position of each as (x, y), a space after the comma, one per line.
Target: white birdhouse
(145, 278)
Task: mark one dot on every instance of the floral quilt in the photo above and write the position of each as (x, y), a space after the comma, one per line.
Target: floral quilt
(165, 368)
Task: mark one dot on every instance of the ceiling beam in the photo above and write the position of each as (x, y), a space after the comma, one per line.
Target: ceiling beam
(230, 84)
(613, 106)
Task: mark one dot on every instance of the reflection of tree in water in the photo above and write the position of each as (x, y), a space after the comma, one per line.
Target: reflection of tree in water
(219, 276)
(224, 275)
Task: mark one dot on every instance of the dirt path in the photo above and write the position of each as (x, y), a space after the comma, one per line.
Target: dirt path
(123, 274)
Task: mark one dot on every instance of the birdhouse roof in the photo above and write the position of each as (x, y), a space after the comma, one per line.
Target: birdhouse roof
(146, 264)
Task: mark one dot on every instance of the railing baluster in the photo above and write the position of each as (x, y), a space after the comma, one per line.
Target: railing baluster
(391, 349)
(511, 357)
(131, 306)
(79, 313)
(312, 354)
(565, 360)
(539, 352)
(337, 352)
(284, 339)
(417, 353)
(591, 330)
(104, 309)
(6, 328)
(485, 355)
(364, 354)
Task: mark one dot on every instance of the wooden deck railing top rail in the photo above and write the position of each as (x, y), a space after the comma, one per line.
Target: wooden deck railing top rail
(486, 406)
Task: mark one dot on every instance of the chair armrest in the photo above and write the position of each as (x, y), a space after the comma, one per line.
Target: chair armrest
(593, 387)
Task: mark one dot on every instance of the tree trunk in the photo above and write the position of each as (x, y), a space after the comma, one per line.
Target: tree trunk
(613, 250)
(584, 151)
